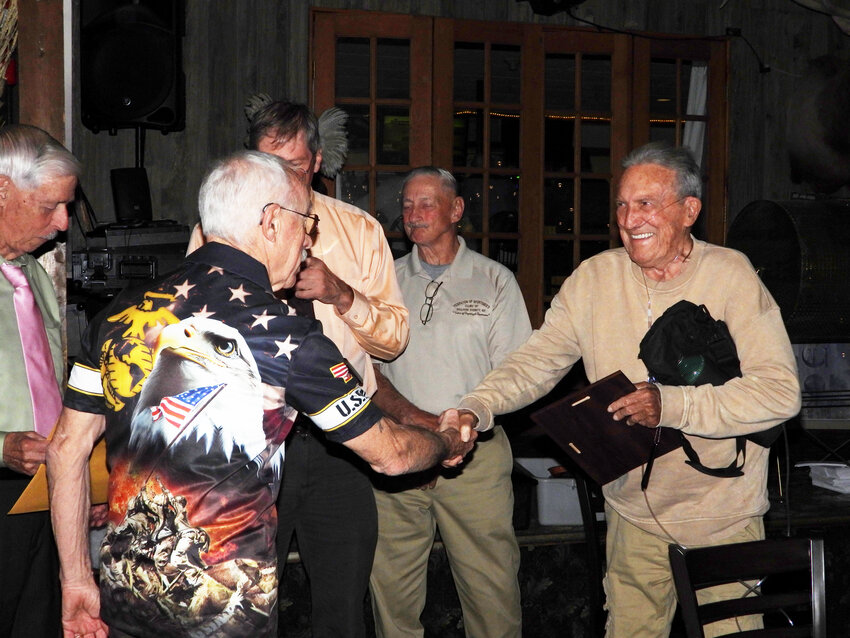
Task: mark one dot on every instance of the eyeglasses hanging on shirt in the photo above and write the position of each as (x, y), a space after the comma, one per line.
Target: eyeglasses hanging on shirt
(427, 309)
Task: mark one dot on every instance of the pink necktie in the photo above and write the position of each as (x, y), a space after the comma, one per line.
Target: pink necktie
(46, 402)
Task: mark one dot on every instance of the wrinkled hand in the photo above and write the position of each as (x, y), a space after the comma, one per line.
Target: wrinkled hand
(24, 451)
(459, 425)
(98, 515)
(81, 611)
(641, 407)
(316, 281)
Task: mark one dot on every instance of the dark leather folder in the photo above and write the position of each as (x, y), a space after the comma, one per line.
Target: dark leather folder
(604, 448)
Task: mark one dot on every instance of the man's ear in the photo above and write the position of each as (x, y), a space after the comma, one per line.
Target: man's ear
(693, 206)
(5, 185)
(270, 225)
(317, 163)
(457, 209)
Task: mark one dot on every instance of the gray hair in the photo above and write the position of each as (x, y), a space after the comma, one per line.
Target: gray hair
(447, 180)
(281, 121)
(678, 159)
(30, 157)
(236, 188)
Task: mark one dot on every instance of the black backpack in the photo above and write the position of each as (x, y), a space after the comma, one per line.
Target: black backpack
(687, 346)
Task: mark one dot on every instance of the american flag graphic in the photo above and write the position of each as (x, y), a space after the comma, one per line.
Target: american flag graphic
(340, 371)
(179, 409)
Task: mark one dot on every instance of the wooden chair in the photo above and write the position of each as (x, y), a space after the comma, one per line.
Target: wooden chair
(780, 594)
(592, 502)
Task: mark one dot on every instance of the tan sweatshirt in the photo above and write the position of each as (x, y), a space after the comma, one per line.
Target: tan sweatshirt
(600, 315)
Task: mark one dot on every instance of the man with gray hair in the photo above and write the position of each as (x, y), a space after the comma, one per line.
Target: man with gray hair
(38, 178)
(195, 380)
(601, 314)
(471, 315)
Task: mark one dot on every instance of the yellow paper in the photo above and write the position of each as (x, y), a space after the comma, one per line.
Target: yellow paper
(34, 497)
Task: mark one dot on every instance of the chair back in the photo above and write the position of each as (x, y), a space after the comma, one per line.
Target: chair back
(793, 606)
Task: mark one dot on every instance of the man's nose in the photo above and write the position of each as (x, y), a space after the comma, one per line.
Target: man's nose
(630, 216)
(60, 217)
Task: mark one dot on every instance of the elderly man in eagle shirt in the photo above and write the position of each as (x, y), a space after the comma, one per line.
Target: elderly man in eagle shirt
(190, 547)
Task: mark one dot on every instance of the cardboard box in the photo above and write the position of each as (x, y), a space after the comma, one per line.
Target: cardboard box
(557, 498)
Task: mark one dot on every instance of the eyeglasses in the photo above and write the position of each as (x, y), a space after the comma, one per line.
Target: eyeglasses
(427, 309)
(311, 220)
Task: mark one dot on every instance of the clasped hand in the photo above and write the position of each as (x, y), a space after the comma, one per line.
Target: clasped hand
(460, 425)
(641, 407)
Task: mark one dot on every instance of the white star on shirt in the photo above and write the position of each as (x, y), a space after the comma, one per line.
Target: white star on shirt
(238, 293)
(217, 269)
(290, 310)
(183, 289)
(203, 313)
(262, 319)
(285, 347)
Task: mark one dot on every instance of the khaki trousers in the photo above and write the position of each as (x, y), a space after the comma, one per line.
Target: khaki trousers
(641, 599)
(474, 512)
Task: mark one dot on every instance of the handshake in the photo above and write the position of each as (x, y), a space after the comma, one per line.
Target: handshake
(458, 429)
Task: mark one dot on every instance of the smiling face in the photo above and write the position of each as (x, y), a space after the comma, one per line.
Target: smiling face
(654, 221)
(28, 218)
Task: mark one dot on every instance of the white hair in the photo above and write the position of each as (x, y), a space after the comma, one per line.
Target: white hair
(30, 157)
(236, 189)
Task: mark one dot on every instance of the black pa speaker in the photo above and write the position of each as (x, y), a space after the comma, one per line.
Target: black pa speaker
(131, 195)
(130, 65)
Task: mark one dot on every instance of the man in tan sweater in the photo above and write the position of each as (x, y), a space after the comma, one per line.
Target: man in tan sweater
(600, 315)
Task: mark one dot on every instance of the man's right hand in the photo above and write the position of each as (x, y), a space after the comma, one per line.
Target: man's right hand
(24, 451)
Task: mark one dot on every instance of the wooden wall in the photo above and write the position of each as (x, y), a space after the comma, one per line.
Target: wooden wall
(233, 49)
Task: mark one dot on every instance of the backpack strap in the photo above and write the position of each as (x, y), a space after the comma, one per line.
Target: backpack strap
(730, 471)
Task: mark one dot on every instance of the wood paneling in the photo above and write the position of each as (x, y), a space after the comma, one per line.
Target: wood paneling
(234, 49)
(41, 65)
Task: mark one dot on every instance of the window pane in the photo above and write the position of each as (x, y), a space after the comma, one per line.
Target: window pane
(662, 86)
(596, 83)
(393, 68)
(558, 142)
(358, 134)
(557, 265)
(468, 143)
(504, 139)
(352, 67)
(595, 146)
(595, 206)
(353, 187)
(471, 188)
(663, 132)
(505, 251)
(504, 204)
(473, 243)
(504, 74)
(393, 135)
(469, 72)
(558, 206)
(560, 81)
(388, 201)
(591, 248)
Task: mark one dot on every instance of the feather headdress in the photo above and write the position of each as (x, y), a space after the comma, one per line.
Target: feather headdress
(333, 137)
